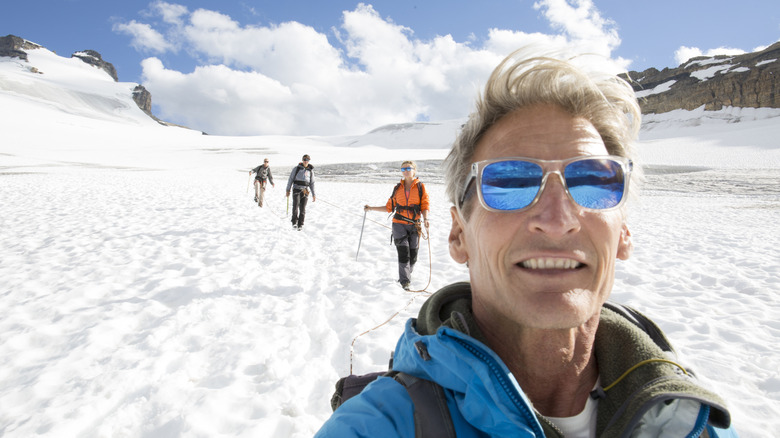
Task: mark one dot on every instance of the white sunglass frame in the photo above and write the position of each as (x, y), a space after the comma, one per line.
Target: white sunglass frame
(477, 168)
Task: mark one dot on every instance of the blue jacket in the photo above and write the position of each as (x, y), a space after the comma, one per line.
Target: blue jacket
(485, 400)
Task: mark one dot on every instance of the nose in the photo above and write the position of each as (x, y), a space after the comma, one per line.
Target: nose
(555, 213)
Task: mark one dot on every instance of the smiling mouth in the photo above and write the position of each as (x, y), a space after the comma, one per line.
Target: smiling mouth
(551, 263)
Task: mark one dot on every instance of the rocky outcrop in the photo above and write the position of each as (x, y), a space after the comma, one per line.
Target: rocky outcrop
(14, 47)
(92, 57)
(143, 98)
(751, 80)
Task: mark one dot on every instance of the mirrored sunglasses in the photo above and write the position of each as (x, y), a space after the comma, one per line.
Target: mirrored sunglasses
(406, 169)
(512, 184)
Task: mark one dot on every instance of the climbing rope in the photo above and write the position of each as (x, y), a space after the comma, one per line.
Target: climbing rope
(416, 293)
(425, 236)
(352, 345)
(352, 213)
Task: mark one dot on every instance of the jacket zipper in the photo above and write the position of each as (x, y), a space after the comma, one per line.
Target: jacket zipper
(701, 421)
(505, 384)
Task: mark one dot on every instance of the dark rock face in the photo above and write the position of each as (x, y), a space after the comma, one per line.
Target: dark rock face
(14, 47)
(143, 98)
(92, 57)
(751, 80)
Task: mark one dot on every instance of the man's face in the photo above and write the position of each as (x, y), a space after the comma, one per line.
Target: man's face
(265, 163)
(501, 248)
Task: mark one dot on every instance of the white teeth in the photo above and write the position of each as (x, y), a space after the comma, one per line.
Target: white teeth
(550, 263)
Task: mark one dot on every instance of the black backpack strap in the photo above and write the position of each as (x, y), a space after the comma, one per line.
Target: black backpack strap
(432, 417)
(392, 195)
(431, 414)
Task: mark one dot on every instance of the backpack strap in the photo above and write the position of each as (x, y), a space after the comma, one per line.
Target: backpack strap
(431, 413)
(432, 417)
(392, 195)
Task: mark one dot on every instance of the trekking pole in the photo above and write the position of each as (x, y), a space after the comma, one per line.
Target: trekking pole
(288, 207)
(248, 183)
(361, 234)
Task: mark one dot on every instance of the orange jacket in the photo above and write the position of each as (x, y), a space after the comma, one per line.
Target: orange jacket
(401, 198)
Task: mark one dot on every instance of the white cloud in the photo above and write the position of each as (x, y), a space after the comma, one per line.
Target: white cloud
(170, 13)
(583, 24)
(288, 78)
(684, 53)
(143, 37)
(227, 99)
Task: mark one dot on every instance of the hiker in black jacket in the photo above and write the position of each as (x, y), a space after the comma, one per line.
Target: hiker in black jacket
(301, 182)
(262, 177)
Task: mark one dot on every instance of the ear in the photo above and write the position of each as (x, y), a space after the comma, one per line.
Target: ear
(458, 250)
(626, 244)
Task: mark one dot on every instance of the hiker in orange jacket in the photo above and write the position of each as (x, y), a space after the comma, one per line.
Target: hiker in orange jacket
(410, 202)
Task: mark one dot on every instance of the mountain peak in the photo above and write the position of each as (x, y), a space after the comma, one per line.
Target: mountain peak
(92, 57)
(14, 47)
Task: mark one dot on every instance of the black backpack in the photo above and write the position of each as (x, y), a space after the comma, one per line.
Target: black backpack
(431, 414)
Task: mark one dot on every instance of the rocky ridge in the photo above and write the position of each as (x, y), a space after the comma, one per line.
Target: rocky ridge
(751, 80)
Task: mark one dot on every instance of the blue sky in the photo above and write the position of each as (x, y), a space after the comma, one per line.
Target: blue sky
(296, 54)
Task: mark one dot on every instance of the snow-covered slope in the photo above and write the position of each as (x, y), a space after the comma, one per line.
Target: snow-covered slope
(143, 293)
(69, 86)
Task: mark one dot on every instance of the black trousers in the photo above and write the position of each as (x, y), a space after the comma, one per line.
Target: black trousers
(406, 242)
(299, 201)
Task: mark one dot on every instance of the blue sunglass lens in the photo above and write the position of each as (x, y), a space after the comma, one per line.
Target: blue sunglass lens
(510, 185)
(595, 183)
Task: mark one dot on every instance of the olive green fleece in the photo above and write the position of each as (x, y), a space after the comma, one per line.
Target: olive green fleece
(619, 346)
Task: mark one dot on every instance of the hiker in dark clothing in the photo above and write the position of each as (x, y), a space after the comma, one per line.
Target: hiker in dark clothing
(410, 202)
(262, 177)
(301, 182)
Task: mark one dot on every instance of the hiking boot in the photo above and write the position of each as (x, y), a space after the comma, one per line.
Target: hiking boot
(255, 198)
(404, 284)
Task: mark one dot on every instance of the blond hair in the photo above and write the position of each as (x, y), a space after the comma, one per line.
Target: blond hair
(605, 100)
